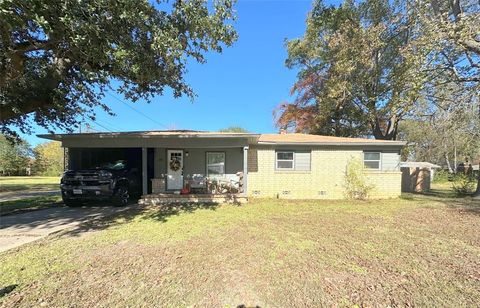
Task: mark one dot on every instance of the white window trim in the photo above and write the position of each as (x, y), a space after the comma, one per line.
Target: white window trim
(374, 160)
(224, 163)
(279, 160)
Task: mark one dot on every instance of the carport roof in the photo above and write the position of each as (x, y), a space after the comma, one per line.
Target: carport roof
(148, 134)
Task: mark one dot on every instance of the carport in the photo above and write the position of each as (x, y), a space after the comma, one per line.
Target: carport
(148, 151)
(88, 158)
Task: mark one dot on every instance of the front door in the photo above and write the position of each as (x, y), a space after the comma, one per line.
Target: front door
(175, 169)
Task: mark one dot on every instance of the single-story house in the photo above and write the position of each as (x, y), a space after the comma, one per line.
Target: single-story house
(285, 165)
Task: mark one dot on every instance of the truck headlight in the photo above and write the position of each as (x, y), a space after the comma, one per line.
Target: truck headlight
(104, 175)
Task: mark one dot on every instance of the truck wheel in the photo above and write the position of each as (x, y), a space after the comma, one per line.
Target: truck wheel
(121, 196)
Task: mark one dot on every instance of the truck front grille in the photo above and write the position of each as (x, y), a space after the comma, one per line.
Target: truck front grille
(84, 182)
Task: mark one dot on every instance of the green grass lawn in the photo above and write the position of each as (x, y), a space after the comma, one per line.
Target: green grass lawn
(30, 204)
(30, 183)
(418, 250)
(11, 186)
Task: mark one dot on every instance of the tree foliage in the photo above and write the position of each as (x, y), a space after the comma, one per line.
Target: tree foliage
(234, 129)
(449, 32)
(14, 158)
(365, 66)
(49, 159)
(57, 58)
(444, 130)
(357, 74)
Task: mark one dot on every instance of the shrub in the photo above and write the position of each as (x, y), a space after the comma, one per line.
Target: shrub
(442, 176)
(356, 186)
(464, 185)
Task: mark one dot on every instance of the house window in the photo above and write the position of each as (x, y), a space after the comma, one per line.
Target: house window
(372, 160)
(285, 161)
(215, 163)
(292, 160)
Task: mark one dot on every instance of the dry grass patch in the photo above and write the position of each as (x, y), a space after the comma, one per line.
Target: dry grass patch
(415, 251)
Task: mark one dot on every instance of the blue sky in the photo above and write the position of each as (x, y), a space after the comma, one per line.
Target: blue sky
(239, 87)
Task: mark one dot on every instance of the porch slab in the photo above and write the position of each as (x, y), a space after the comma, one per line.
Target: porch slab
(158, 199)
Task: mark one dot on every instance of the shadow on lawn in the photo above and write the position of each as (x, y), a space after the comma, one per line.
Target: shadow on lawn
(4, 291)
(160, 213)
(449, 198)
(29, 204)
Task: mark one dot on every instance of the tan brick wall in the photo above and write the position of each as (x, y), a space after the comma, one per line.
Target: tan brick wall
(324, 181)
(386, 184)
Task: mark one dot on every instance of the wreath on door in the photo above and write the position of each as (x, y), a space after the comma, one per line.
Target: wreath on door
(175, 165)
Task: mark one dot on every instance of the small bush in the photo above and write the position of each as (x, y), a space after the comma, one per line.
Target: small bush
(464, 185)
(356, 186)
(442, 176)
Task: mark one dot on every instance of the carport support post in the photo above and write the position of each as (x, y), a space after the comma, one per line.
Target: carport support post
(144, 172)
(245, 170)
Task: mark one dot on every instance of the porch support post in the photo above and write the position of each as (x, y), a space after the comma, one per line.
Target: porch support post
(144, 172)
(245, 171)
(65, 159)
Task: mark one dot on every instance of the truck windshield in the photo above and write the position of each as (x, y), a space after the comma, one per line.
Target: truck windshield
(117, 165)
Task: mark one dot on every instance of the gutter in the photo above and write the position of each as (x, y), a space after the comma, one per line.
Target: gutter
(60, 137)
(380, 143)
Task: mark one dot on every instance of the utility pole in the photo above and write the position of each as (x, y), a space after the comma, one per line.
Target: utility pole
(80, 126)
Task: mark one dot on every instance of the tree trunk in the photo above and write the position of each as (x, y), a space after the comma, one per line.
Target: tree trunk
(445, 155)
(455, 160)
(391, 130)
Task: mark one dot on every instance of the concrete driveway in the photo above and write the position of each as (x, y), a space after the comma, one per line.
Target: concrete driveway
(19, 229)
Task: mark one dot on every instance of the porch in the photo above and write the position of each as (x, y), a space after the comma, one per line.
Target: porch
(160, 199)
(200, 174)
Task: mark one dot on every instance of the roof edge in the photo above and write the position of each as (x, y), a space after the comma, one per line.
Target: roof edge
(338, 143)
(60, 137)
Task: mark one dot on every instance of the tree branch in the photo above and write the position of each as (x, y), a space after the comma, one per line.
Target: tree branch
(471, 45)
(27, 46)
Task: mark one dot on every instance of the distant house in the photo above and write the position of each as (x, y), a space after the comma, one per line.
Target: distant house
(296, 166)
(476, 170)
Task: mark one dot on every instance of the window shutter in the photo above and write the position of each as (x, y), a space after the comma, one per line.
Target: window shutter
(302, 161)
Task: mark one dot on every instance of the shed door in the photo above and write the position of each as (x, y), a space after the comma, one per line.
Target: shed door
(175, 169)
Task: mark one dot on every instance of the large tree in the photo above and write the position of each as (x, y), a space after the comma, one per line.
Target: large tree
(449, 31)
(49, 159)
(443, 132)
(57, 58)
(357, 72)
(450, 34)
(14, 157)
(233, 129)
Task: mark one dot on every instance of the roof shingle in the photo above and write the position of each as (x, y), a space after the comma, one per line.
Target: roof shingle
(305, 138)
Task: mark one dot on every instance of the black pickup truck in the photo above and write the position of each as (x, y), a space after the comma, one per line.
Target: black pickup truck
(114, 182)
